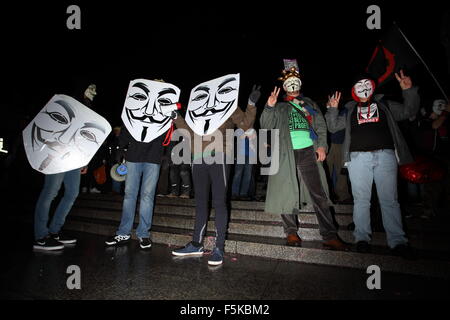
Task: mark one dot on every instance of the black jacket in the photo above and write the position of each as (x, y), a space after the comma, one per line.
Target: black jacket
(141, 151)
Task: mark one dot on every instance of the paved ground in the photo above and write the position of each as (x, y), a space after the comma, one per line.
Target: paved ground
(129, 273)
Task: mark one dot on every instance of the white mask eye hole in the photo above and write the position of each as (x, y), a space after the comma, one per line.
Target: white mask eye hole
(138, 96)
(201, 96)
(226, 90)
(164, 101)
(58, 117)
(88, 135)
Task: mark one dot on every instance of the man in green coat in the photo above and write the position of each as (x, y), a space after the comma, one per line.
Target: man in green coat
(303, 134)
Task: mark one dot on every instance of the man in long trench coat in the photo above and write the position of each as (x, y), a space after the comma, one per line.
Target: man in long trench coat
(302, 132)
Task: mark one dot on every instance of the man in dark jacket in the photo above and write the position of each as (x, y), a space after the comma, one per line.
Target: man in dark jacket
(142, 160)
(372, 148)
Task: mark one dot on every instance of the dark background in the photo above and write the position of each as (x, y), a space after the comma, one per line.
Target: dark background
(186, 43)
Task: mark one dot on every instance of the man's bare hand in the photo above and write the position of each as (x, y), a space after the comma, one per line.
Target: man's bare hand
(404, 81)
(321, 154)
(333, 101)
(273, 98)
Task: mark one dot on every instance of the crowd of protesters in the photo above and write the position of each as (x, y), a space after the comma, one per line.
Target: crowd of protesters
(349, 162)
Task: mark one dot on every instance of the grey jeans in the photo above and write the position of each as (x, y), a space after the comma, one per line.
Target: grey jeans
(307, 170)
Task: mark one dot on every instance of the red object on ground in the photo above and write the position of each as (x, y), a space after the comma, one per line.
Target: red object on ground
(422, 170)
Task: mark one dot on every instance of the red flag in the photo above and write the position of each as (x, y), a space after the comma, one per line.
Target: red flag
(391, 54)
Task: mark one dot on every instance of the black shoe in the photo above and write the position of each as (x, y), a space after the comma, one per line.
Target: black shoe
(63, 238)
(404, 251)
(48, 244)
(363, 247)
(145, 243)
(118, 239)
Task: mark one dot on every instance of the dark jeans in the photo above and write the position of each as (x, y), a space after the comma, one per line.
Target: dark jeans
(207, 178)
(180, 173)
(163, 182)
(308, 171)
(242, 179)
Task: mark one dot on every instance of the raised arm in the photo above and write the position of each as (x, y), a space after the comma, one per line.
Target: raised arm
(411, 99)
(245, 120)
(335, 122)
(269, 116)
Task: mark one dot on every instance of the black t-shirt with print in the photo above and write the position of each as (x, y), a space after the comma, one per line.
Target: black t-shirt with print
(369, 129)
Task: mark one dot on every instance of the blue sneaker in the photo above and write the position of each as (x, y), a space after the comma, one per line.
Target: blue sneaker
(216, 257)
(188, 250)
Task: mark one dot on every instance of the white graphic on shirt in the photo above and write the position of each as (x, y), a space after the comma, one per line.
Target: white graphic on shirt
(367, 114)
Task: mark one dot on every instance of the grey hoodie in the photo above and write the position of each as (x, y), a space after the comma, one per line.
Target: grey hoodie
(394, 112)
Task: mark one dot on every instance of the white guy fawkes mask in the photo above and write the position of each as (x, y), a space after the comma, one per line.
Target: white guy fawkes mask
(364, 89)
(292, 84)
(64, 136)
(91, 92)
(439, 106)
(142, 114)
(211, 103)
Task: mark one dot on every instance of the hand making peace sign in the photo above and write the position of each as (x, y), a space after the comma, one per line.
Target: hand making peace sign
(405, 81)
(272, 101)
(333, 101)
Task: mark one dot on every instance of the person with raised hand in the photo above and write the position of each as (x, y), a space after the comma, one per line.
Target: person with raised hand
(301, 178)
(372, 150)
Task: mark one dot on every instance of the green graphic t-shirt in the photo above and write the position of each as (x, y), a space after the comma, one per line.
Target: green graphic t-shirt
(299, 128)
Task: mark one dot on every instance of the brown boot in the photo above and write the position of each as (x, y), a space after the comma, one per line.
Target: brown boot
(336, 244)
(294, 240)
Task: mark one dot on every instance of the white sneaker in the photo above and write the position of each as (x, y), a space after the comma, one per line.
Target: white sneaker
(94, 190)
(111, 241)
(83, 190)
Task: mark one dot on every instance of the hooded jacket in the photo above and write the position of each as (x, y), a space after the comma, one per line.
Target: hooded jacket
(394, 112)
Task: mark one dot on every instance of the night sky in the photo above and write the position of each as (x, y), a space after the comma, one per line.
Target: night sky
(193, 42)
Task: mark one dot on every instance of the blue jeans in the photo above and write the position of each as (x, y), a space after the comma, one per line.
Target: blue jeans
(150, 174)
(241, 179)
(52, 185)
(116, 186)
(379, 166)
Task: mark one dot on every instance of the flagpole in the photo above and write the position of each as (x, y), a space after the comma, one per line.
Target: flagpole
(426, 66)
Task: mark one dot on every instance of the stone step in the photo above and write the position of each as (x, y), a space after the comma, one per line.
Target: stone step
(309, 232)
(247, 227)
(310, 252)
(242, 214)
(342, 215)
(246, 205)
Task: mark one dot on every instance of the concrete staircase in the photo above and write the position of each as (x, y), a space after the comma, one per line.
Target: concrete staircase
(253, 232)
